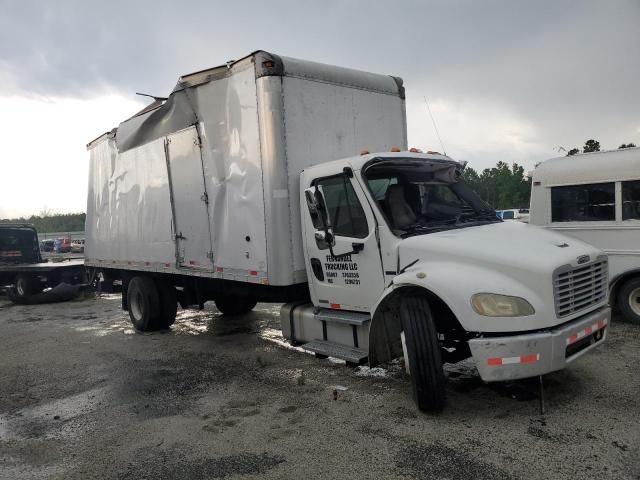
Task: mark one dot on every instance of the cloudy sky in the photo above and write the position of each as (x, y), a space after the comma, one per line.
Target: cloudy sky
(506, 80)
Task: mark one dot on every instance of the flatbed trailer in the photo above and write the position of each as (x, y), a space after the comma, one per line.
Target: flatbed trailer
(22, 267)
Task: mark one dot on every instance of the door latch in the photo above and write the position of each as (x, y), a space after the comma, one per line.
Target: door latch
(179, 236)
(205, 198)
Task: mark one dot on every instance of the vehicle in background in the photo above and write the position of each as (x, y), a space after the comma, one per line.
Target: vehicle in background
(595, 197)
(62, 245)
(229, 190)
(77, 246)
(47, 245)
(22, 266)
(520, 214)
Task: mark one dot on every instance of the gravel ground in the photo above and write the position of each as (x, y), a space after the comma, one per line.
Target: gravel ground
(83, 396)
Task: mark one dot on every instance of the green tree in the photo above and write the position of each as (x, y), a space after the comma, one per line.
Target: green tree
(501, 186)
(47, 222)
(591, 145)
(627, 145)
(573, 151)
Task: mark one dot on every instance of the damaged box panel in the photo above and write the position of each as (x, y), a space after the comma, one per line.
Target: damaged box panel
(206, 182)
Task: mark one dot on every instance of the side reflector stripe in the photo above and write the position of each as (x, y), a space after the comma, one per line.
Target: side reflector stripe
(532, 357)
(600, 324)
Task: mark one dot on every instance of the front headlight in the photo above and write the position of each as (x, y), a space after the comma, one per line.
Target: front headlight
(495, 305)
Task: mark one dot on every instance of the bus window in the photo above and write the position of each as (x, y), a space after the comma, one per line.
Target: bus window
(583, 203)
(631, 200)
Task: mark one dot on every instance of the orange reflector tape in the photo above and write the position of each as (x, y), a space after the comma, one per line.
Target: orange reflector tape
(334, 305)
(600, 324)
(532, 357)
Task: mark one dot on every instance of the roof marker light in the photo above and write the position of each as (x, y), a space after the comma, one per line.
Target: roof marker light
(395, 149)
(415, 150)
(364, 152)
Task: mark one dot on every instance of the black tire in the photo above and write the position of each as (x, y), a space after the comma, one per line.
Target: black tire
(235, 304)
(168, 303)
(628, 300)
(144, 304)
(423, 351)
(25, 285)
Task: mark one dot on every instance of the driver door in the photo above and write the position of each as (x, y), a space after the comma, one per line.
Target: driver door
(350, 282)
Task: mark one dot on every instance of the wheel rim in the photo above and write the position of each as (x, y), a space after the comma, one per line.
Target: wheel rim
(20, 287)
(634, 301)
(136, 306)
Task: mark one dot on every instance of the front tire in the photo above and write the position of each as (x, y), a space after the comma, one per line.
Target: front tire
(143, 300)
(628, 300)
(423, 351)
(235, 304)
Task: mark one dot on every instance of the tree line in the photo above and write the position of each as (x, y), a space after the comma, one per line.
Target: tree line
(505, 186)
(53, 222)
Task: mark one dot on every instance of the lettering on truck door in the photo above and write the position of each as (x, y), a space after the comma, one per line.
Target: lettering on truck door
(354, 281)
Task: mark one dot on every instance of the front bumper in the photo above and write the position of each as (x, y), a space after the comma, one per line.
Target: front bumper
(533, 354)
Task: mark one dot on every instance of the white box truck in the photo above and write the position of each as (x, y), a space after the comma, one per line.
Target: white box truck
(242, 186)
(595, 197)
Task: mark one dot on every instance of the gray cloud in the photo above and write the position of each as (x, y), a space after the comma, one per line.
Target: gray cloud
(569, 68)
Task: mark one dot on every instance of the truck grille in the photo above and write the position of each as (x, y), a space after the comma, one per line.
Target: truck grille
(576, 289)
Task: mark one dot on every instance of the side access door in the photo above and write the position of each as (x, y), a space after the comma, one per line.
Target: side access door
(345, 281)
(189, 200)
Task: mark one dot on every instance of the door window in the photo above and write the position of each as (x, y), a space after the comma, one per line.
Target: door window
(631, 200)
(345, 211)
(583, 203)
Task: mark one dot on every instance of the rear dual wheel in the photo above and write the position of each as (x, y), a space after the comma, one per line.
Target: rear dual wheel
(152, 303)
(26, 285)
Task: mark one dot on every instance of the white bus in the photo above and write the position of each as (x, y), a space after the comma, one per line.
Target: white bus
(595, 197)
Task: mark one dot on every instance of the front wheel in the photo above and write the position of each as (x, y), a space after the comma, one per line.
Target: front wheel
(628, 300)
(235, 304)
(423, 352)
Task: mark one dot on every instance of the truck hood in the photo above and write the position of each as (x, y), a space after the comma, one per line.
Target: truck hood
(513, 246)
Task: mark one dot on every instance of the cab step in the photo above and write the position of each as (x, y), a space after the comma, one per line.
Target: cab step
(322, 348)
(342, 316)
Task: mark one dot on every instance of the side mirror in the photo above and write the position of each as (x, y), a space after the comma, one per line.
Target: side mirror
(319, 216)
(324, 239)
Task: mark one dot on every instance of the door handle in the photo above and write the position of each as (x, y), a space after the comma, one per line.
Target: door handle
(180, 236)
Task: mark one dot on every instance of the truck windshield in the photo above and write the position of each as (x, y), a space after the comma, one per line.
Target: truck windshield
(422, 196)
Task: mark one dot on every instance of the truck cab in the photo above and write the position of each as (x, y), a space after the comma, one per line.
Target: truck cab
(405, 260)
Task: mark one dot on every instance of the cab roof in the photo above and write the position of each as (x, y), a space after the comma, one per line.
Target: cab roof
(357, 162)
